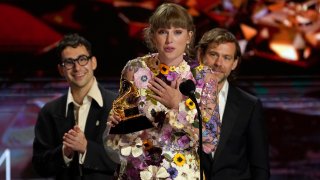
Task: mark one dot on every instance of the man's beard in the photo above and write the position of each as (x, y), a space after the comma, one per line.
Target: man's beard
(219, 70)
(223, 79)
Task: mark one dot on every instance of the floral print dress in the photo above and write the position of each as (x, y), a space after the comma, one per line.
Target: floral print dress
(169, 149)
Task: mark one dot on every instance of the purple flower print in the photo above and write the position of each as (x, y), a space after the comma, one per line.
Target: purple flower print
(166, 133)
(173, 172)
(184, 141)
(172, 76)
(154, 157)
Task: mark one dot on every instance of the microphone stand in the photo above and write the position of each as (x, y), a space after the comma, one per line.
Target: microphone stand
(192, 97)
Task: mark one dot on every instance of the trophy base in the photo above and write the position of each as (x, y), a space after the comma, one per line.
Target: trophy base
(132, 125)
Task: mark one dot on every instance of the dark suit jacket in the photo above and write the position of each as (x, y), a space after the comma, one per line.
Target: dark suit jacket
(47, 147)
(242, 152)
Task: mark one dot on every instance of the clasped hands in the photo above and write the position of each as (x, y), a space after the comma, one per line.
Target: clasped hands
(74, 141)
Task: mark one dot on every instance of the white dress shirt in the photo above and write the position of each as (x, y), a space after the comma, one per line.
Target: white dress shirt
(223, 94)
(81, 112)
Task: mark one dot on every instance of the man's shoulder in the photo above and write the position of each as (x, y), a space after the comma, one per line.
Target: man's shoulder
(55, 103)
(107, 93)
(242, 93)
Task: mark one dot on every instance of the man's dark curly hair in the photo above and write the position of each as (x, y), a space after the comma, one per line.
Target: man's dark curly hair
(73, 40)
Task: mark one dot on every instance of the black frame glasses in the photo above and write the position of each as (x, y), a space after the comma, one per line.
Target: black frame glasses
(69, 63)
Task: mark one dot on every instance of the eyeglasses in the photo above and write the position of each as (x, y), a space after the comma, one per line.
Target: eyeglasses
(70, 63)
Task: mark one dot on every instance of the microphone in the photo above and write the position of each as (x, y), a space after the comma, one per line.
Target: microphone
(188, 88)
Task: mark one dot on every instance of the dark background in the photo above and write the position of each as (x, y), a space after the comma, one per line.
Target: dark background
(288, 89)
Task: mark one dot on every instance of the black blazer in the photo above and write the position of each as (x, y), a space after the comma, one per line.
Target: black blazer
(50, 127)
(242, 152)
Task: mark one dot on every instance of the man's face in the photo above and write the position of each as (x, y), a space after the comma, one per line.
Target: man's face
(220, 58)
(78, 76)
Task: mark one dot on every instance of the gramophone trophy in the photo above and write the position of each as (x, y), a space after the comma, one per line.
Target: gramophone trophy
(126, 107)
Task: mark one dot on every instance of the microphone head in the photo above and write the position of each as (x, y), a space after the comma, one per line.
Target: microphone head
(187, 87)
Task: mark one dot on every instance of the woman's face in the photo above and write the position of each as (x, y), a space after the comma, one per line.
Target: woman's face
(171, 44)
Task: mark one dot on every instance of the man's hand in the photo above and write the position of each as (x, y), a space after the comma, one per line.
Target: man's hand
(68, 152)
(75, 140)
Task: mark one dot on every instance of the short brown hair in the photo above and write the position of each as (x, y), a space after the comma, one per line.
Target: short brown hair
(219, 36)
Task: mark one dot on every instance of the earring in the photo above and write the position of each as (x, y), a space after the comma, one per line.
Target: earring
(187, 49)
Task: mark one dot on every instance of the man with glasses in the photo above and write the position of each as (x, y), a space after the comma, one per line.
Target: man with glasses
(68, 133)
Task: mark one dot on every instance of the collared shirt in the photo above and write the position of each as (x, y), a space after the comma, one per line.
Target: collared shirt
(81, 112)
(223, 94)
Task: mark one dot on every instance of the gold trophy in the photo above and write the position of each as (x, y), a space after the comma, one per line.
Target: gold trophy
(126, 107)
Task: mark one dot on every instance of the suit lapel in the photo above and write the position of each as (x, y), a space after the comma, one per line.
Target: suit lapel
(228, 121)
(93, 120)
(64, 124)
(97, 116)
(206, 162)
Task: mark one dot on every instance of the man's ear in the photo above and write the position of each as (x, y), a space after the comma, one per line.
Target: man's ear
(235, 63)
(94, 63)
(60, 70)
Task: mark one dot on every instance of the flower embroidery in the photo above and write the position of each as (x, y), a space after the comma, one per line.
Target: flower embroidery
(113, 141)
(190, 116)
(170, 73)
(154, 156)
(166, 133)
(172, 68)
(184, 142)
(199, 73)
(205, 117)
(167, 151)
(172, 76)
(164, 69)
(173, 172)
(173, 120)
(142, 77)
(154, 172)
(190, 104)
(192, 161)
(186, 173)
(186, 116)
(179, 159)
(133, 172)
(134, 148)
(152, 63)
(147, 144)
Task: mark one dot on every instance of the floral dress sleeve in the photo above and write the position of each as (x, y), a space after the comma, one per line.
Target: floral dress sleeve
(207, 92)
